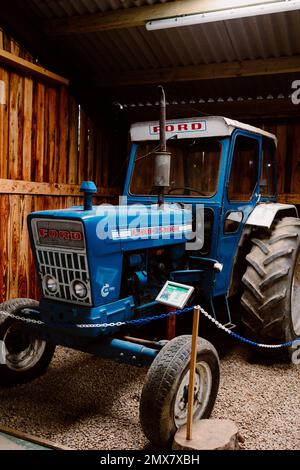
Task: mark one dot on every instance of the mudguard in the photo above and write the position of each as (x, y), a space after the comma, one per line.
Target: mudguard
(264, 214)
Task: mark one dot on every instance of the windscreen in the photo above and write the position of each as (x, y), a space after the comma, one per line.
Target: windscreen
(194, 167)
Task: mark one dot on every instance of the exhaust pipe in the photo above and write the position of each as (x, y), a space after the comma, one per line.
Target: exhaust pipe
(162, 158)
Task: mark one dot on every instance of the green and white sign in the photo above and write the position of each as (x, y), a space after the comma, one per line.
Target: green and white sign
(175, 294)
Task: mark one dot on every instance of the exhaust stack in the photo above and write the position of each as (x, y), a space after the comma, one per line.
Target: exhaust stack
(162, 158)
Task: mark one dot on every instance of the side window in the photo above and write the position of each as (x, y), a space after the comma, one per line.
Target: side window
(244, 169)
(268, 169)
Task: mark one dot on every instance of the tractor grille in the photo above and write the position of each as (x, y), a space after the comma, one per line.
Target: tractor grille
(65, 265)
(66, 268)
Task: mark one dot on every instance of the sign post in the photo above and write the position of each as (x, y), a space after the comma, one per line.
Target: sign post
(192, 373)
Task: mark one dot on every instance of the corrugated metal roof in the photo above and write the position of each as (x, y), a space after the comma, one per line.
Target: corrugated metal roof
(133, 49)
(64, 8)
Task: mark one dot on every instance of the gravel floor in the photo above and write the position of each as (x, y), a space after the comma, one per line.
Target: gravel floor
(88, 403)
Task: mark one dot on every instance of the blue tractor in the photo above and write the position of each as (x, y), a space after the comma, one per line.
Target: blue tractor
(101, 268)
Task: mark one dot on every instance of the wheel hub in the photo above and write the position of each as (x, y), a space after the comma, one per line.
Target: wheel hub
(202, 390)
(20, 350)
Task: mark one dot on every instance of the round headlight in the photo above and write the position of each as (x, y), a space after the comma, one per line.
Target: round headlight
(80, 289)
(51, 284)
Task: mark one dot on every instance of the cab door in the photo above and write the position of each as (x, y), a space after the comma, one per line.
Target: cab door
(241, 194)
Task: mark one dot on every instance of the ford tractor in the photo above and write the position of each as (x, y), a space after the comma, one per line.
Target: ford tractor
(101, 268)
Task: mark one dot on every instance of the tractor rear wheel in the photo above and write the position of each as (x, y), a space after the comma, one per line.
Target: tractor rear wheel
(271, 298)
(23, 357)
(163, 406)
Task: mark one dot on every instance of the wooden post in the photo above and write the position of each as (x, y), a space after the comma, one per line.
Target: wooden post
(192, 373)
(171, 324)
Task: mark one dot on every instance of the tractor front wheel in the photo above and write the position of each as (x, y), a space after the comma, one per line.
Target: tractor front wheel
(23, 357)
(271, 298)
(164, 400)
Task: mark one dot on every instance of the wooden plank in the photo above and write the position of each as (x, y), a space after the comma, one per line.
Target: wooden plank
(134, 17)
(1, 39)
(82, 146)
(30, 69)
(52, 135)
(73, 142)
(15, 48)
(27, 128)
(105, 164)
(15, 127)
(292, 198)
(4, 234)
(23, 255)
(295, 177)
(37, 440)
(246, 68)
(281, 133)
(63, 135)
(4, 101)
(6, 42)
(8, 186)
(91, 151)
(14, 245)
(40, 131)
(98, 157)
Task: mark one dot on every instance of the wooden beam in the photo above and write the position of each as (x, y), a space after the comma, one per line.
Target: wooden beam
(289, 198)
(31, 69)
(247, 68)
(257, 110)
(138, 16)
(36, 440)
(8, 186)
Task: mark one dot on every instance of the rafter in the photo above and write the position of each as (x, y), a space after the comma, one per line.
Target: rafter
(247, 68)
(138, 16)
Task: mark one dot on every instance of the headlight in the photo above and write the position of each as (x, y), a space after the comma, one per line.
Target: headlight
(51, 284)
(79, 289)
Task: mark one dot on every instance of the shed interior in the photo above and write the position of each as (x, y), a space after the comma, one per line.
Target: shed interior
(74, 74)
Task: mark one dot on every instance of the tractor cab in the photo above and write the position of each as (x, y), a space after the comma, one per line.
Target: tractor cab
(226, 166)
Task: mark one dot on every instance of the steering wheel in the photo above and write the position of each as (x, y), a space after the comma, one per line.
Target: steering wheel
(187, 188)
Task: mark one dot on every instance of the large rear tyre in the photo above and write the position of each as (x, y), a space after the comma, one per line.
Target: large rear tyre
(163, 406)
(23, 357)
(271, 298)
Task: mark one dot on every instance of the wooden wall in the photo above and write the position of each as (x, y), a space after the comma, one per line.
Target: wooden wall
(48, 146)
(288, 153)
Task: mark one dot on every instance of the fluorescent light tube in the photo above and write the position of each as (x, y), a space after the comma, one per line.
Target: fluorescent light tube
(224, 15)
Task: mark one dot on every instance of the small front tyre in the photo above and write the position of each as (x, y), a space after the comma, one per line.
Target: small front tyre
(23, 357)
(164, 399)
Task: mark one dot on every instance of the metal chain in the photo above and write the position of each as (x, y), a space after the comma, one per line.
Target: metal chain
(140, 321)
(17, 317)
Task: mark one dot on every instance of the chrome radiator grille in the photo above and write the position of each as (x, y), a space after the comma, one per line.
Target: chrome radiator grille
(66, 265)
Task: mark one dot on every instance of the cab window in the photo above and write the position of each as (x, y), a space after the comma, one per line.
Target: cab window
(244, 169)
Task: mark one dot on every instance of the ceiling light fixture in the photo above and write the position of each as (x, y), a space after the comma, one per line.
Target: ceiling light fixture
(224, 15)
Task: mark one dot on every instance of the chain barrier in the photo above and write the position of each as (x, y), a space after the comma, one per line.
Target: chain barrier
(140, 321)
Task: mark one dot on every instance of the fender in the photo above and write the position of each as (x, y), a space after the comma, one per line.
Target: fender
(264, 214)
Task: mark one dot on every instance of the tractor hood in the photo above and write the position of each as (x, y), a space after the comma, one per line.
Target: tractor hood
(124, 227)
(89, 245)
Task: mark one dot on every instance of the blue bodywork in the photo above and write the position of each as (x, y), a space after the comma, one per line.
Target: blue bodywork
(124, 259)
(105, 255)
